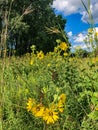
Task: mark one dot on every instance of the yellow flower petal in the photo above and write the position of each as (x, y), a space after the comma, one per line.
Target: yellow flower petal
(63, 46)
(50, 116)
(38, 110)
(63, 98)
(40, 55)
(30, 104)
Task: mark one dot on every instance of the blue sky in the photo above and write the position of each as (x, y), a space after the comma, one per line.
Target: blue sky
(75, 24)
(77, 17)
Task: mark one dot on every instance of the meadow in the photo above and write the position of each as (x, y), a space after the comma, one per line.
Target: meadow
(45, 90)
(50, 91)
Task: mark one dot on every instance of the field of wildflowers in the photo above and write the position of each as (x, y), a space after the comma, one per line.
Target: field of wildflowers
(50, 91)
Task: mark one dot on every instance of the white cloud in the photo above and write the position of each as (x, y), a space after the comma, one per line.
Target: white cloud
(96, 29)
(82, 45)
(70, 34)
(79, 38)
(68, 7)
(94, 10)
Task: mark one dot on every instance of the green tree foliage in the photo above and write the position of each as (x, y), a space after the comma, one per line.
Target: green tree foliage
(27, 20)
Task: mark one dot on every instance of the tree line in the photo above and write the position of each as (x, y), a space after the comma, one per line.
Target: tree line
(24, 23)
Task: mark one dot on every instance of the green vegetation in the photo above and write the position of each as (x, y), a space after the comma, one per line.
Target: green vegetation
(35, 82)
(23, 23)
(46, 88)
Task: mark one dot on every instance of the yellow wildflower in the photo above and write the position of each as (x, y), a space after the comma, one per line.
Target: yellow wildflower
(48, 65)
(38, 110)
(40, 55)
(65, 54)
(90, 30)
(60, 106)
(61, 102)
(63, 46)
(31, 62)
(50, 116)
(30, 104)
(96, 34)
(62, 98)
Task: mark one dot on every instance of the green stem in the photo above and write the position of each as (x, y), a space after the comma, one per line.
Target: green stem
(45, 126)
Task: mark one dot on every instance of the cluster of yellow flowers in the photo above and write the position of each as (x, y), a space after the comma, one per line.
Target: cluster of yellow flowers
(62, 47)
(48, 114)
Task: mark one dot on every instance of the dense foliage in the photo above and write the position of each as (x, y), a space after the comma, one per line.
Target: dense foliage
(46, 92)
(25, 23)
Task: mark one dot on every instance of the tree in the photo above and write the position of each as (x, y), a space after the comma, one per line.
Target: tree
(27, 22)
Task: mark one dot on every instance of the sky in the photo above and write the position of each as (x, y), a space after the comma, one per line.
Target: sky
(75, 14)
